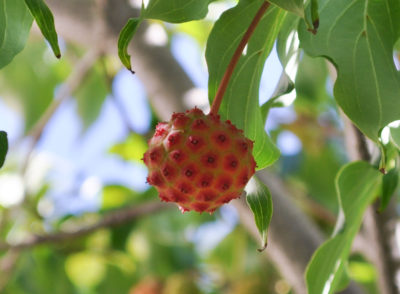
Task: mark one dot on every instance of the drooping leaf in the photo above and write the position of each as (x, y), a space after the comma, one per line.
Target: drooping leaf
(177, 11)
(295, 6)
(389, 185)
(240, 103)
(45, 20)
(357, 185)
(15, 24)
(125, 36)
(358, 37)
(3, 147)
(260, 202)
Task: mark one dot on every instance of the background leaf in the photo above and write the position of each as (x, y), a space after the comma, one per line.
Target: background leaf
(40, 77)
(241, 102)
(177, 11)
(389, 185)
(15, 24)
(125, 36)
(90, 96)
(260, 202)
(358, 37)
(45, 20)
(356, 185)
(3, 147)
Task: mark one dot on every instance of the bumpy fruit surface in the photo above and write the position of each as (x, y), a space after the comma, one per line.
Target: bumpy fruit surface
(199, 161)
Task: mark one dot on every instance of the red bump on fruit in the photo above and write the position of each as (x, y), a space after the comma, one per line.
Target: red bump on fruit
(155, 179)
(195, 142)
(198, 161)
(155, 155)
(210, 160)
(185, 187)
(179, 120)
(207, 195)
(169, 172)
(224, 183)
(221, 139)
(196, 112)
(231, 162)
(199, 124)
(174, 139)
(177, 156)
(205, 181)
(177, 196)
(243, 178)
(200, 206)
(190, 171)
(161, 129)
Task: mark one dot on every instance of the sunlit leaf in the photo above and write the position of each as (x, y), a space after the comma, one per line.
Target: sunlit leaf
(358, 37)
(357, 186)
(116, 196)
(45, 20)
(260, 202)
(241, 102)
(85, 269)
(132, 148)
(177, 11)
(295, 6)
(3, 147)
(389, 185)
(125, 36)
(15, 24)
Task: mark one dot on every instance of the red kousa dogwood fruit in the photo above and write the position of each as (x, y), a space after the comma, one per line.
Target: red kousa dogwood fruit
(199, 161)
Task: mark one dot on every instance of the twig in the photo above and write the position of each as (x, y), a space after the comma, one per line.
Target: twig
(119, 217)
(235, 58)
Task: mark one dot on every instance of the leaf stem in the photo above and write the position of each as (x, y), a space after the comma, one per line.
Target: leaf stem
(235, 58)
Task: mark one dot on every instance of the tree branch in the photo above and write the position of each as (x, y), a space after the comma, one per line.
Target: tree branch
(119, 217)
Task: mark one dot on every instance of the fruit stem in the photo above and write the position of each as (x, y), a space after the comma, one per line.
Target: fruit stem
(235, 58)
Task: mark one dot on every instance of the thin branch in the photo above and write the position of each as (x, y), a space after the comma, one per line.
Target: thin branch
(116, 218)
(235, 58)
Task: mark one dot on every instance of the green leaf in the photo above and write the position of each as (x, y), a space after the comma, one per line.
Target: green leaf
(132, 148)
(3, 147)
(295, 6)
(357, 185)
(45, 20)
(177, 11)
(90, 97)
(15, 24)
(39, 78)
(125, 36)
(241, 102)
(358, 37)
(389, 185)
(395, 136)
(260, 202)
